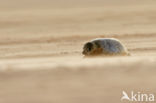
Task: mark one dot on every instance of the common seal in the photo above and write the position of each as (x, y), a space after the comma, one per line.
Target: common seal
(104, 46)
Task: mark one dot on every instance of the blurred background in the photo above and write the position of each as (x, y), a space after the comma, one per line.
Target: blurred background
(72, 17)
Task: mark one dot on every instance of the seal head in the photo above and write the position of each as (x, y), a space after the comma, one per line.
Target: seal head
(87, 49)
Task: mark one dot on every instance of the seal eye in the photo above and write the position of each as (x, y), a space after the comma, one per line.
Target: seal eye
(89, 49)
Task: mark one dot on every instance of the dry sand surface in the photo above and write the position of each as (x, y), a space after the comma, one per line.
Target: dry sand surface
(41, 43)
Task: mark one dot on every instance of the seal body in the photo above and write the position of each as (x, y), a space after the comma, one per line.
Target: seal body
(104, 46)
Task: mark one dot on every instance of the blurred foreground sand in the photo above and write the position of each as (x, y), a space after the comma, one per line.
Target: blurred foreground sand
(41, 44)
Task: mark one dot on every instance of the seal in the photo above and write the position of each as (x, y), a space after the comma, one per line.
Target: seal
(105, 47)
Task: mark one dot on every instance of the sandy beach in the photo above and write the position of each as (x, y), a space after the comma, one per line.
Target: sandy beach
(41, 45)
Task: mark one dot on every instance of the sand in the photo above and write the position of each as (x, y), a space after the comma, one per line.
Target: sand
(41, 43)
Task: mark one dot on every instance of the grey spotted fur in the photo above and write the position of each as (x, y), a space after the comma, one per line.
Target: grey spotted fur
(104, 46)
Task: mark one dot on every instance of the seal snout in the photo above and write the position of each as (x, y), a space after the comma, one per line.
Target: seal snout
(83, 52)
